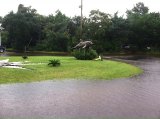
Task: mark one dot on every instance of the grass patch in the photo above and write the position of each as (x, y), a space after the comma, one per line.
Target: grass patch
(70, 69)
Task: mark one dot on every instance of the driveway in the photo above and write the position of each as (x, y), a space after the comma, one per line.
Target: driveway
(137, 97)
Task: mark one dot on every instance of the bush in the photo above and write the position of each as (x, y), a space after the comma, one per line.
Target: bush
(54, 63)
(81, 54)
(25, 57)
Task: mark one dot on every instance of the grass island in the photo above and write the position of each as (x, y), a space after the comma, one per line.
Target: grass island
(38, 70)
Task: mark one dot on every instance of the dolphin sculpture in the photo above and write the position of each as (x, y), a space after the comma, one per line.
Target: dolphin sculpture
(83, 44)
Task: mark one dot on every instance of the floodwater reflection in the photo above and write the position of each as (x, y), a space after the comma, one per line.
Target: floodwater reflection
(133, 97)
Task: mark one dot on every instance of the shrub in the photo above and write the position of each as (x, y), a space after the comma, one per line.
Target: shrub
(83, 54)
(25, 57)
(54, 62)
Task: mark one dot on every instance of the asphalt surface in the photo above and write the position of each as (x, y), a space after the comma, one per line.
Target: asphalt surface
(132, 98)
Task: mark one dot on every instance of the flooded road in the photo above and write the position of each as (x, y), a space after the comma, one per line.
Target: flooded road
(137, 97)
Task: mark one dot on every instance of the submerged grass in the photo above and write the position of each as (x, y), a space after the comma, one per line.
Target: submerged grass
(70, 69)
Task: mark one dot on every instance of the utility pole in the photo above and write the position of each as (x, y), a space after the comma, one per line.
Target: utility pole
(1, 28)
(0, 37)
(81, 18)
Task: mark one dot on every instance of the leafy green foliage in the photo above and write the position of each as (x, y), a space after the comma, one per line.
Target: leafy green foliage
(83, 54)
(25, 57)
(60, 33)
(55, 30)
(54, 62)
(140, 9)
(1, 19)
(22, 27)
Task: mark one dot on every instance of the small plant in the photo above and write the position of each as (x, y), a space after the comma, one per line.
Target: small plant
(25, 57)
(54, 62)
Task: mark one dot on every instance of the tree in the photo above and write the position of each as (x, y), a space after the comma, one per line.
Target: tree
(152, 27)
(140, 9)
(22, 27)
(137, 25)
(27, 28)
(99, 23)
(118, 33)
(1, 19)
(56, 34)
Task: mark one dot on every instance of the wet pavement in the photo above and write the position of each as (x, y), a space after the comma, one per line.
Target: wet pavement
(137, 97)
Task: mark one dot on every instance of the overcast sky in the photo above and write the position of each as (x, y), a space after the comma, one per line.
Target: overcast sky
(71, 7)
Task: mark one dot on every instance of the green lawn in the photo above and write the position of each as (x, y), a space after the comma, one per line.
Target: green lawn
(70, 69)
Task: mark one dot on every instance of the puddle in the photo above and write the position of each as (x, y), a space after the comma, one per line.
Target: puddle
(137, 97)
(134, 57)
